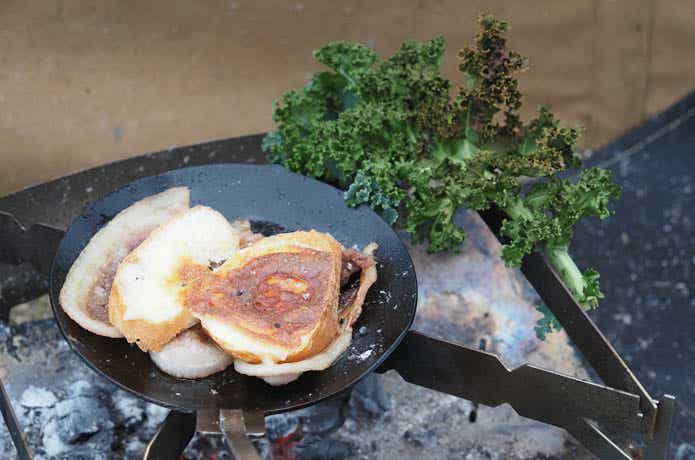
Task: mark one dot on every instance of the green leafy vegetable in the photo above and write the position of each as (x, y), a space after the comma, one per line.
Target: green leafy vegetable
(547, 324)
(390, 134)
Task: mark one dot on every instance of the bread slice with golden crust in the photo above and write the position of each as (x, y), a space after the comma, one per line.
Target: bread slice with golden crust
(352, 299)
(273, 301)
(144, 303)
(85, 294)
(349, 309)
(277, 374)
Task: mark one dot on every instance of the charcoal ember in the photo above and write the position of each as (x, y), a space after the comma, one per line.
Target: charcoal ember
(297, 433)
(35, 397)
(685, 451)
(370, 397)
(81, 417)
(130, 411)
(263, 447)
(86, 388)
(481, 453)
(203, 447)
(419, 437)
(54, 443)
(280, 426)
(318, 448)
(324, 417)
(66, 411)
(82, 453)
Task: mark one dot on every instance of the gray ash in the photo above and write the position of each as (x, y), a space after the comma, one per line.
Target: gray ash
(65, 409)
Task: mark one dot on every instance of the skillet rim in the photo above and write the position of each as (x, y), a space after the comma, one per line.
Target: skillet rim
(55, 302)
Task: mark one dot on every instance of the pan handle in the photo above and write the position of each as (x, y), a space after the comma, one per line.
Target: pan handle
(237, 427)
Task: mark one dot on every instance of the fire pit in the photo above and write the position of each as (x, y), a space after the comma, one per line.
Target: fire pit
(470, 298)
(383, 413)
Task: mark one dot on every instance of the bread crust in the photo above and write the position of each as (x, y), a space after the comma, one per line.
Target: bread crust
(367, 279)
(182, 238)
(285, 372)
(147, 335)
(135, 222)
(239, 336)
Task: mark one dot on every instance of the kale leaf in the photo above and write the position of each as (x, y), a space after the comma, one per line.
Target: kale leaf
(389, 133)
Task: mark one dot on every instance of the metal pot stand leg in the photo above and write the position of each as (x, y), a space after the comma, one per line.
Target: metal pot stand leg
(238, 427)
(172, 437)
(578, 406)
(178, 428)
(567, 402)
(20, 444)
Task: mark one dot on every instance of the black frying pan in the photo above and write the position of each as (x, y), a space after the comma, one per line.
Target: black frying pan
(260, 194)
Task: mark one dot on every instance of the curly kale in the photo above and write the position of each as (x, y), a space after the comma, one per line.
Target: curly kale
(547, 324)
(389, 133)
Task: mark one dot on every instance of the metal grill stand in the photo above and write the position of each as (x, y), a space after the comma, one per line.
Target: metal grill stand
(31, 221)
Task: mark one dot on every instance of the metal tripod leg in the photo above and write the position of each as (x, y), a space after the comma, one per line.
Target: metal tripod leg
(172, 437)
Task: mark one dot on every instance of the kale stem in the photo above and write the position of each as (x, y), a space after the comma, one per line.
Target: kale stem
(558, 256)
(571, 276)
(411, 134)
(346, 76)
(518, 210)
(524, 146)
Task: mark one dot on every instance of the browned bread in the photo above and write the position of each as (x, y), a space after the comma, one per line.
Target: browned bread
(273, 301)
(349, 309)
(85, 293)
(144, 303)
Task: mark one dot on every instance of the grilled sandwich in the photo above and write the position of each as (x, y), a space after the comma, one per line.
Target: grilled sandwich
(350, 302)
(276, 304)
(274, 300)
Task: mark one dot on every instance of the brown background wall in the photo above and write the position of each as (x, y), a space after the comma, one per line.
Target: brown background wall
(84, 83)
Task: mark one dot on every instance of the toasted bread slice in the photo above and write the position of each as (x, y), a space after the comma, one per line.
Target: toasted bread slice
(283, 373)
(85, 293)
(273, 301)
(191, 355)
(352, 298)
(349, 309)
(144, 303)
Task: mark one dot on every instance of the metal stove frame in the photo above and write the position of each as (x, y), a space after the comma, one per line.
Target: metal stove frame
(31, 226)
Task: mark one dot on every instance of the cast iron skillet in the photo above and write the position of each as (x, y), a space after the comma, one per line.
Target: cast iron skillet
(260, 194)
